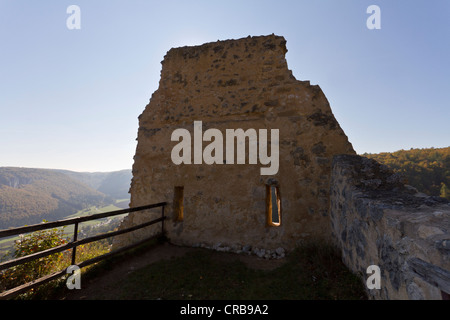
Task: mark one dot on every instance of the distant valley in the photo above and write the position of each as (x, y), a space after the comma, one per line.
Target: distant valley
(28, 195)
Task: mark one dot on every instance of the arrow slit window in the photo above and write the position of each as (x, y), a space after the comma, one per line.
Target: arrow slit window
(273, 206)
(178, 203)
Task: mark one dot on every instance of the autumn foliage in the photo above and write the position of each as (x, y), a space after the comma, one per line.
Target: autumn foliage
(426, 169)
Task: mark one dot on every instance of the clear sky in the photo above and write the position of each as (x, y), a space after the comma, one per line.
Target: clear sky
(70, 99)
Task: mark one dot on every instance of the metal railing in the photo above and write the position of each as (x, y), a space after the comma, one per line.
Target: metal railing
(75, 243)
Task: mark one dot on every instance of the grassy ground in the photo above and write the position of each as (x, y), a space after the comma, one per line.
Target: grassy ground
(312, 272)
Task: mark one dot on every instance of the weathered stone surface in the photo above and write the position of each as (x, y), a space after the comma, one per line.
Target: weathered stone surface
(387, 224)
(235, 84)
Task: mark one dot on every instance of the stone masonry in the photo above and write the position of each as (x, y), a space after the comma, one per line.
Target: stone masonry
(236, 84)
(378, 220)
(320, 188)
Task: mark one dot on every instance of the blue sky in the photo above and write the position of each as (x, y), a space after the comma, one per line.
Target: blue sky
(70, 99)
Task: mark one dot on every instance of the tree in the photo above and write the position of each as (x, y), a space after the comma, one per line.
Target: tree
(32, 270)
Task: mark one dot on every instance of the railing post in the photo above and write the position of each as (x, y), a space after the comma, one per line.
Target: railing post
(75, 238)
(72, 245)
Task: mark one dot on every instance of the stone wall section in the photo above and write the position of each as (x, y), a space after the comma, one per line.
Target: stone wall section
(327, 191)
(233, 84)
(378, 220)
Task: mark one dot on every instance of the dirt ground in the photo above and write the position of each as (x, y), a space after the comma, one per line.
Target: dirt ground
(101, 284)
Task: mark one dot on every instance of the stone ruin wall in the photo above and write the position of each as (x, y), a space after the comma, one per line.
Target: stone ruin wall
(326, 190)
(235, 84)
(378, 220)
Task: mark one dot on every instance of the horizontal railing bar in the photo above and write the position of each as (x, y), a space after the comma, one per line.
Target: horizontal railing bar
(74, 244)
(60, 223)
(27, 286)
(70, 245)
(115, 233)
(118, 212)
(116, 252)
(34, 256)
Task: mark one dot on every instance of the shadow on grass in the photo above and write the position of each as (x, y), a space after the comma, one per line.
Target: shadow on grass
(313, 271)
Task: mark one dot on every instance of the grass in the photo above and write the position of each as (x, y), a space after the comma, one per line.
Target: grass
(311, 272)
(314, 271)
(93, 210)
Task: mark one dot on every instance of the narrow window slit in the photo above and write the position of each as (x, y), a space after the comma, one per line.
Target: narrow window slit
(178, 207)
(273, 204)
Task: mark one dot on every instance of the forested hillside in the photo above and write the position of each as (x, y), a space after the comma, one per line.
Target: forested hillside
(28, 196)
(426, 169)
(115, 184)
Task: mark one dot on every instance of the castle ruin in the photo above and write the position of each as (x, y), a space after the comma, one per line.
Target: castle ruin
(238, 84)
(249, 158)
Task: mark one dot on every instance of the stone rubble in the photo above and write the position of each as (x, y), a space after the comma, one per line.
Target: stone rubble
(278, 253)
